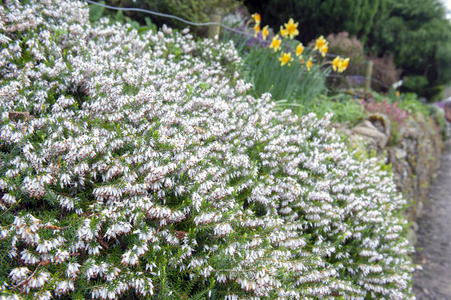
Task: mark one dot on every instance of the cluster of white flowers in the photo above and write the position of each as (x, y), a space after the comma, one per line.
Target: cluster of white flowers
(140, 165)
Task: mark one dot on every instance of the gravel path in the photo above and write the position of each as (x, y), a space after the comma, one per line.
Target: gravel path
(434, 237)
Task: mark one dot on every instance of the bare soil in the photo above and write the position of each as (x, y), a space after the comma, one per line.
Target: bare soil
(434, 238)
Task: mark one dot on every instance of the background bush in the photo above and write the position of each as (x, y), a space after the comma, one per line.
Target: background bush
(385, 73)
(415, 83)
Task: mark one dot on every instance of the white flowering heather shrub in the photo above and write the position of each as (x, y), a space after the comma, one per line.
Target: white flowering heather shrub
(138, 167)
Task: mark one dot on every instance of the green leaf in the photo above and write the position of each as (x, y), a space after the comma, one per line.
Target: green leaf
(134, 24)
(119, 16)
(96, 11)
(148, 22)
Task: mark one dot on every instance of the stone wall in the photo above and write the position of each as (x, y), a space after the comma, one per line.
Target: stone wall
(415, 160)
(414, 156)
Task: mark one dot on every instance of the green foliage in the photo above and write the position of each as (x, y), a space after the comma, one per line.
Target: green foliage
(197, 11)
(345, 109)
(416, 84)
(292, 83)
(433, 93)
(96, 11)
(241, 42)
(410, 103)
(419, 35)
(322, 17)
(439, 115)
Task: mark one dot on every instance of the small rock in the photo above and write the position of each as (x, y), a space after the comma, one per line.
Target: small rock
(412, 237)
(366, 124)
(381, 122)
(363, 142)
(400, 153)
(415, 226)
(367, 129)
(412, 129)
(419, 208)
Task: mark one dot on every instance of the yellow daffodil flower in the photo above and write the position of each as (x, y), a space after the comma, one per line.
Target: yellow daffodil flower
(256, 29)
(256, 17)
(336, 63)
(320, 42)
(265, 32)
(339, 64)
(346, 63)
(283, 32)
(285, 58)
(309, 64)
(292, 28)
(321, 45)
(343, 65)
(323, 50)
(299, 49)
(275, 44)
